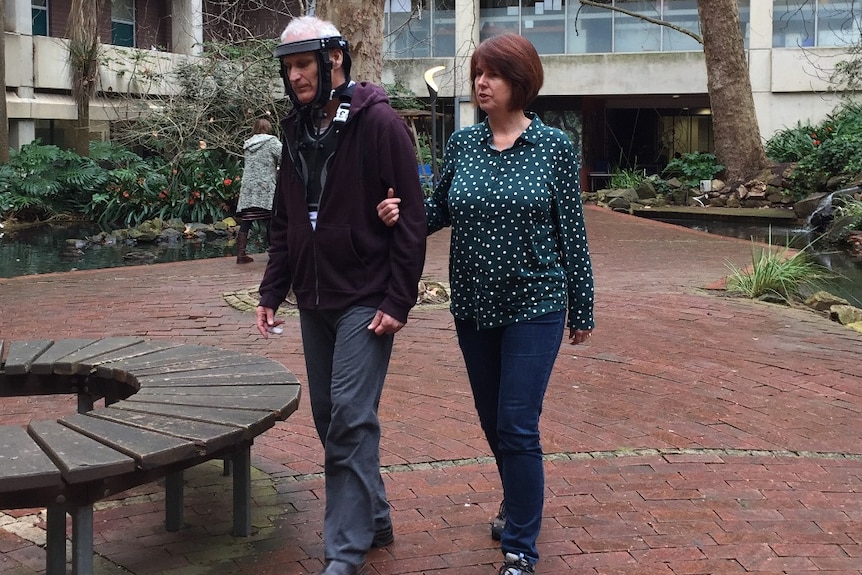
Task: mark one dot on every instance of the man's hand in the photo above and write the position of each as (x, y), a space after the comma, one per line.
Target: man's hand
(383, 323)
(387, 210)
(266, 320)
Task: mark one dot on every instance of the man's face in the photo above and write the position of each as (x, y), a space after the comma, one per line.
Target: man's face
(301, 70)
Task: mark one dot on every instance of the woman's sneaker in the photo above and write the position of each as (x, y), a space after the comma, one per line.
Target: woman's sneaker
(516, 565)
(498, 523)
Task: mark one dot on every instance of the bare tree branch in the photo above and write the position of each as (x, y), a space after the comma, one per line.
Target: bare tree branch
(697, 37)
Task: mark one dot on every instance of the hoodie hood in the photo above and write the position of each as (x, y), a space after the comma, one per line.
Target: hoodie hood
(257, 141)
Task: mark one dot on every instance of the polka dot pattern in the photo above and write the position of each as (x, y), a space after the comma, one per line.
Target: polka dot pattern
(519, 245)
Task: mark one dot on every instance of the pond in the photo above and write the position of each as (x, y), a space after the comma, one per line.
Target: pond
(44, 249)
(849, 283)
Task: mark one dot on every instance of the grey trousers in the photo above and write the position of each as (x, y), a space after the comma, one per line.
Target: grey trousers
(346, 365)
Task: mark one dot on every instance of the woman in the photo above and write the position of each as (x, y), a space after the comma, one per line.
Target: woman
(257, 187)
(518, 260)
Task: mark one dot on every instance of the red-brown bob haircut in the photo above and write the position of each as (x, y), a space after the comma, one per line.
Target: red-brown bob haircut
(513, 57)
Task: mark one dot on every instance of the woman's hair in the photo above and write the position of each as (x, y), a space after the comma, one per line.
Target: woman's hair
(262, 126)
(513, 57)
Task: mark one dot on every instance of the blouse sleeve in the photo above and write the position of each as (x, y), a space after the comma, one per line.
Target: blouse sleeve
(572, 237)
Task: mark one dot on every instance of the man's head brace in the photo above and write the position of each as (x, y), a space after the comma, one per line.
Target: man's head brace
(321, 46)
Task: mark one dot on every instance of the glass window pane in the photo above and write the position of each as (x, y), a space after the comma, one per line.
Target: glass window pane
(543, 22)
(444, 28)
(837, 23)
(632, 34)
(594, 31)
(406, 33)
(681, 13)
(792, 23)
(123, 10)
(40, 22)
(122, 34)
(498, 16)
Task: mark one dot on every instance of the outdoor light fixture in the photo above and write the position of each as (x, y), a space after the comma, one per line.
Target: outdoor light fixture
(432, 92)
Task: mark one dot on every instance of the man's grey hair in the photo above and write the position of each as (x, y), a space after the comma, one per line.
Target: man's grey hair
(309, 26)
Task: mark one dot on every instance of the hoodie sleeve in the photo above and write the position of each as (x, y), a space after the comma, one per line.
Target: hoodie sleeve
(399, 170)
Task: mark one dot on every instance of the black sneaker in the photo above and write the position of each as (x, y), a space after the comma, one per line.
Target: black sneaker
(383, 537)
(515, 565)
(498, 523)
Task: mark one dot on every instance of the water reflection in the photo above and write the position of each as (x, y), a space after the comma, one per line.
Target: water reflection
(849, 283)
(44, 249)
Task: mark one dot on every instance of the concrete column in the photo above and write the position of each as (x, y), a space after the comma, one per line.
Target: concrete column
(187, 27)
(466, 39)
(19, 22)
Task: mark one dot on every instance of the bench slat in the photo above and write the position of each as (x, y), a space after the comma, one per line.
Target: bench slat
(79, 457)
(170, 356)
(23, 464)
(224, 376)
(283, 377)
(149, 449)
(281, 409)
(273, 390)
(45, 363)
(68, 364)
(210, 436)
(22, 354)
(238, 361)
(127, 353)
(254, 422)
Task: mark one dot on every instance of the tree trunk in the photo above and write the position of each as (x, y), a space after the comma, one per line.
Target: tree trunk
(737, 136)
(83, 32)
(361, 23)
(4, 113)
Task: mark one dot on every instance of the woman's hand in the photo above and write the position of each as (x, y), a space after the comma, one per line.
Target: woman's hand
(577, 336)
(387, 210)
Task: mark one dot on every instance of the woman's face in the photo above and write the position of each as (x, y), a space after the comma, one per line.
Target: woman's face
(493, 91)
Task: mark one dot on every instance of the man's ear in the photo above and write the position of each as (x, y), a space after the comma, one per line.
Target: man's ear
(336, 57)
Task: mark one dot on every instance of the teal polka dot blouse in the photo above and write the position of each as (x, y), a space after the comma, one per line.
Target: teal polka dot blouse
(519, 244)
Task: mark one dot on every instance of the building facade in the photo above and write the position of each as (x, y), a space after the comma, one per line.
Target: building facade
(632, 93)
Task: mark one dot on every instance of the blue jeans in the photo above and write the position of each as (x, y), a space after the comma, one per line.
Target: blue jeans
(509, 368)
(346, 364)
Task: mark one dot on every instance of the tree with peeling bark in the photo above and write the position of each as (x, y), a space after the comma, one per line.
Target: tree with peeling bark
(737, 136)
(84, 65)
(4, 114)
(361, 23)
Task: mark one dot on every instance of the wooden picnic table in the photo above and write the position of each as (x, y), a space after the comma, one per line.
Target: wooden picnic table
(165, 407)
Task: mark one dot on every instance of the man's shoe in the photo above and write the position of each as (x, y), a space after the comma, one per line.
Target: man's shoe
(383, 537)
(516, 565)
(498, 523)
(342, 568)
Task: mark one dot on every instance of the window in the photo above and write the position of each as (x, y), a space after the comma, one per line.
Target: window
(426, 31)
(123, 22)
(39, 9)
(805, 23)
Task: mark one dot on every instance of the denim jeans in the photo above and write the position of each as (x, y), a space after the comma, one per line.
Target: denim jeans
(346, 364)
(509, 368)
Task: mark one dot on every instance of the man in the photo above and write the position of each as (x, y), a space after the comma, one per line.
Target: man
(354, 278)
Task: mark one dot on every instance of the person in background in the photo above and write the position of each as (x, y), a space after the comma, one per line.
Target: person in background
(518, 262)
(354, 278)
(262, 153)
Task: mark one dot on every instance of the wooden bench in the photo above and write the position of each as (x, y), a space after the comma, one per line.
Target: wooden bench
(167, 407)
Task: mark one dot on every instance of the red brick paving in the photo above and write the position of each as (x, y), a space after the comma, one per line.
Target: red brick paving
(695, 434)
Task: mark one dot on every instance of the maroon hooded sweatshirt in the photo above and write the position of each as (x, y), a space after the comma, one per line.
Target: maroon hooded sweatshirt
(352, 257)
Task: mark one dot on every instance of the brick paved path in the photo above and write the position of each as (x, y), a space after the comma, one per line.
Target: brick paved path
(695, 434)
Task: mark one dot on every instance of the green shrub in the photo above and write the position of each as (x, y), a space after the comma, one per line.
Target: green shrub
(693, 167)
(836, 152)
(42, 181)
(777, 273)
(791, 144)
(622, 178)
